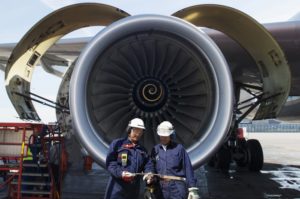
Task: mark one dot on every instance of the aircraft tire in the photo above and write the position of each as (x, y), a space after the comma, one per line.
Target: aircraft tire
(241, 163)
(255, 155)
(242, 149)
(223, 159)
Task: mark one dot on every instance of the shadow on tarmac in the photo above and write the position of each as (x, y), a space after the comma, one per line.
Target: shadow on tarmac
(275, 181)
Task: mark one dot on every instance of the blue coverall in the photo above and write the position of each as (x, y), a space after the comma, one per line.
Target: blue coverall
(137, 161)
(174, 162)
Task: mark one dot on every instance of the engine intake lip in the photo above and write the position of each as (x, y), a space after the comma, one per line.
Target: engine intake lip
(220, 118)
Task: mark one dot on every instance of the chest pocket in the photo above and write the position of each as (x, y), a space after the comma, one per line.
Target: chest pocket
(175, 160)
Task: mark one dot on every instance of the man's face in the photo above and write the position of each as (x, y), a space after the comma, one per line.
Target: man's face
(164, 140)
(135, 134)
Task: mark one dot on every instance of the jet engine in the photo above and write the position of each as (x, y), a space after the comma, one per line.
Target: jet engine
(153, 67)
(156, 68)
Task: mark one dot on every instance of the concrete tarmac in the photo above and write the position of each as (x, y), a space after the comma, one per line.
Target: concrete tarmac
(279, 178)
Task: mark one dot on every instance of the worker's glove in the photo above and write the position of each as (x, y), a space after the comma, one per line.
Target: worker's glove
(127, 176)
(148, 177)
(193, 193)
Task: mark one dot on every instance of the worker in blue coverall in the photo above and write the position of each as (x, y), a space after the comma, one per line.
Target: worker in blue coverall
(170, 158)
(125, 158)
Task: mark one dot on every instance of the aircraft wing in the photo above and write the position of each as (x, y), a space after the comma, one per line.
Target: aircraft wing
(5, 51)
(244, 70)
(61, 55)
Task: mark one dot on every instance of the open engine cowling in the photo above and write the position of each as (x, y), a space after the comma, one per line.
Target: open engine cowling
(156, 68)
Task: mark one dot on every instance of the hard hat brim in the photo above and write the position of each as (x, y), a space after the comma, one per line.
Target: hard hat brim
(136, 126)
(165, 133)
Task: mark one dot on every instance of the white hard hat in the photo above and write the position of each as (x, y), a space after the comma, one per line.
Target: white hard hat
(165, 129)
(137, 123)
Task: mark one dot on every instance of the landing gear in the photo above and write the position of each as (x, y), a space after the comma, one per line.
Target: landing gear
(245, 153)
(255, 155)
(249, 153)
(222, 159)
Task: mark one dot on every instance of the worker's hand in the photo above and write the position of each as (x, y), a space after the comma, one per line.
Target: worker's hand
(127, 176)
(193, 193)
(148, 177)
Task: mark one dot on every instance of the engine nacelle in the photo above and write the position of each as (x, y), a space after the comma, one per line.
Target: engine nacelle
(156, 68)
